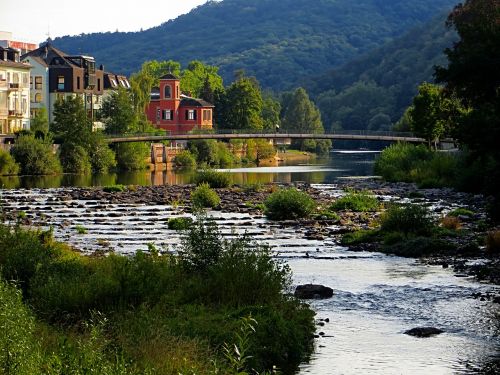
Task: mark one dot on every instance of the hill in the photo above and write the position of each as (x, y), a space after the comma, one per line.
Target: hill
(277, 41)
(373, 91)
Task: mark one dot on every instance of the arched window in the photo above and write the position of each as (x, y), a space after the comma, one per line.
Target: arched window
(38, 97)
(168, 91)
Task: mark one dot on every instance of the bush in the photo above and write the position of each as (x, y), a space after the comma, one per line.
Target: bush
(74, 158)
(225, 157)
(132, 156)
(180, 223)
(204, 197)
(407, 219)
(19, 351)
(493, 241)
(419, 246)
(101, 156)
(356, 201)
(358, 237)
(451, 222)
(114, 188)
(288, 204)
(35, 156)
(184, 159)
(213, 178)
(461, 212)
(8, 166)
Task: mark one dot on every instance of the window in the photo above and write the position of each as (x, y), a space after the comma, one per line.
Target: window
(38, 82)
(31, 82)
(168, 91)
(25, 79)
(78, 83)
(177, 92)
(190, 114)
(98, 84)
(60, 83)
(207, 115)
(158, 114)
(24, 105)
(38, 97)
(113, 81)
(167, 114)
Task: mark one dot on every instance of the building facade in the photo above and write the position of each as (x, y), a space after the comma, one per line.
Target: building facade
(172, 111)
(14, 92)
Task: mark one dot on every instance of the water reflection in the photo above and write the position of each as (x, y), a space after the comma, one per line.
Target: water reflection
(319, 171)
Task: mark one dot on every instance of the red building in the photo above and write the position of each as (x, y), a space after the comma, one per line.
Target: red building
(170, 110)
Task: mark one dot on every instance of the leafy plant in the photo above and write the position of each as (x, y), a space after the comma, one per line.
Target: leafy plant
(289, 204)
(81, 229)
(8, 165)
(407, 219)
(204, 197)
(461, 212)
(184, 159)
(179, 223)
(114, 188)
(356, 201)
(213, 178)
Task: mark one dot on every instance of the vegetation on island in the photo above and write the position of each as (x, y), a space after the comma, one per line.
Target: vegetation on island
(149, 313)
(289, 204)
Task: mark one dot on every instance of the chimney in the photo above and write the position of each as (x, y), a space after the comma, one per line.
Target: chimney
(101, 67)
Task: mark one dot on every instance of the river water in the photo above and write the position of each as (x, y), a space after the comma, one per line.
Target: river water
(376, 297)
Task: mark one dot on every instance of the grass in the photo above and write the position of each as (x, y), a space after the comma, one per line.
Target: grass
(80, 229)
(158, 314)
(114, 188)
(461, 212)
(289, 203)
(204, 197)
(213, 178)
(180, 223)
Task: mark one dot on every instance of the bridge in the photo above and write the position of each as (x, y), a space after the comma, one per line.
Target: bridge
(233, 134)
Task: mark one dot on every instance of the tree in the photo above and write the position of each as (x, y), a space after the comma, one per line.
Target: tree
(35, 156)
(301, 116)
(271, 109)
(118, 113)
(195, 77)
(241, 106)
(40, 123)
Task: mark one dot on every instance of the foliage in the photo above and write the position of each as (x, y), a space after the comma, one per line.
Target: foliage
(358, 237)
(204, 150)
(408, 163)
(195, 76)
(118, 113)
(289, 204)
(271, 109)
(74, 158)
(419, 246)
(407, 219)
(101, 156)
(81, 229)
(132, 156)
(19, 350)
(204, 197)
(225, 157)
(300, 115)
(8, 165)
(264, 150)
(241, 106)
(213, 178)
(35, 156)
(114, 188)
(356, 201)
(461, 212)
(278, 42)
(179, 223)
(184, 159)
(451, 222)
(493, 241)
(39, 124)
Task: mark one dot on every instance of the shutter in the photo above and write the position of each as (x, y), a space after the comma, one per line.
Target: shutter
(195, 113)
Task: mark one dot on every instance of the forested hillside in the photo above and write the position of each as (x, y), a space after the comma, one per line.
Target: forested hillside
(373, 92)
(279, 42)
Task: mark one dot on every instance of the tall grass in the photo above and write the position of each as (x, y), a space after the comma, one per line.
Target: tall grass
(361, 201)
(289, 203)
(213, 178)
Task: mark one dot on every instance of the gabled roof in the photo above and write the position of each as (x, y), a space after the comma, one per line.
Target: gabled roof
(50, 55)
(169, 76)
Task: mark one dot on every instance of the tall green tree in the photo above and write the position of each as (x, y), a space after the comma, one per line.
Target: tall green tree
(118, 113)
(40, 123)
(271, 109)
(194, 77)
(35, 156)
(241, 106)
(473, 76)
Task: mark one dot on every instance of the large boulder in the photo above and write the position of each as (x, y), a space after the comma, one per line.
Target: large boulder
(424, 331)
(312, 291)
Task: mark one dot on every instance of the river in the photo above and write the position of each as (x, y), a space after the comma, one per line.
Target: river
(376, 297)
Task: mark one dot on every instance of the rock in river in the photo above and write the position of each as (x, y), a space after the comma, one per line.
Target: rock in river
(424, 331)
(312, 291)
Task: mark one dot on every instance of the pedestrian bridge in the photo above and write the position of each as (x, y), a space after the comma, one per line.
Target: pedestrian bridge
(232, 134)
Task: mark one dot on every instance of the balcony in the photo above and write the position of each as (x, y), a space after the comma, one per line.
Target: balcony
(13, 86)
(15, 113)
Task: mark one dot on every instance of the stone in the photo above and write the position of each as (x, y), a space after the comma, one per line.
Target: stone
(313, 291)
(424, 331)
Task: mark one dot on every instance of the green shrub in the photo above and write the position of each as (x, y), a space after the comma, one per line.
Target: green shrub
(114, 188)
(184, 159)
(356, 201)
(180, 223)
(225, 157)
(101, 156)
(359, 237)
(35, 156)
(80, 229)
(213, 178)
(74, 158)
(461, 212)
(8, 166)
(132, 156)
(407, 219)
(204, 197)
(289, 204)
(19, 350)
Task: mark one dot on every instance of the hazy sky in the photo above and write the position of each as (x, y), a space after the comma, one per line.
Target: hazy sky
(31, 20)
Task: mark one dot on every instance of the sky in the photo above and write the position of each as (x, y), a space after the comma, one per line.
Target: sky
(32, 20)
